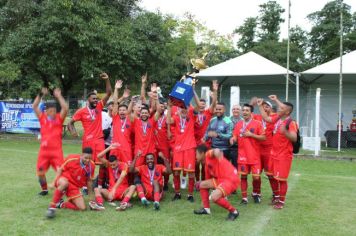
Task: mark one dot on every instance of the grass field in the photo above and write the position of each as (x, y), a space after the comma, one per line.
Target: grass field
(321, 201)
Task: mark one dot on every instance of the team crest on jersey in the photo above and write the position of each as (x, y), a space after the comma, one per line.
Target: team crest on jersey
(157, 173)
(252, 130)
(177, 164)
(127, 126)
(242, 168)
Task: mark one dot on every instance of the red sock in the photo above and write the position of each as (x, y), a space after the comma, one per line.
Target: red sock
(274, 185)
(43, 182)
(69, 205)
(140, 191)
(99, 199)
(101, 175)
(176, 180)
(283, 187)
(256, 183)
(156, 196)
(191, 185)
(244, 187)
(204, 194)
(126, 199)
(57, 195)
(225, 204)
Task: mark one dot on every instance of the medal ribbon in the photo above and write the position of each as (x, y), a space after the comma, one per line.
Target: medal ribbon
(84, 167)
(160, 121)
(91, 113)
(124, 124)
(245, 124)
(182, 122)
(144, 127)
(152, 174)
(200, 118)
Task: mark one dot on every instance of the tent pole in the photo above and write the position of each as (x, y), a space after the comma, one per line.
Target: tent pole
(297, 95)
(340, 81)
(317, 122)
(288, 49)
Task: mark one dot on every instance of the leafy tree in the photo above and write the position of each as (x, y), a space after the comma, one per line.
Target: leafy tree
(247, 33)
(269, 21)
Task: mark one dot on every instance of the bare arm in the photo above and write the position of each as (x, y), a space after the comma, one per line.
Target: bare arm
(108, 89)
(101, 155)
(166, 163)
(117, 184)
(143, 87)
(196, 100)
(118, 85)
(214, 96)
(36, 102)
(71, 128)
(262, 111)
(169, 113)
(276, 100)
(90, 189)
(132, 168)
(64, 106)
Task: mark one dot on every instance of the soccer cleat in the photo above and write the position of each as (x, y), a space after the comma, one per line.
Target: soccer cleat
(85, 191)
(232, 216)
(177, 196)
(201, 211)
(256, 198)
(145, 202)
(165, 187)
(123, 206)
(156, 206)
(244, 201)
(190, 198)
(94, 206)
(274, 200)
(100, 206)
(43, 193)
(112, 204)
(51, 213)
(60, 203)
(183, 182)
(279, 205)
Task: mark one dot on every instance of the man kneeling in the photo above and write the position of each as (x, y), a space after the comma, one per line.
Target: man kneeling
(221, 176)
(150, 184)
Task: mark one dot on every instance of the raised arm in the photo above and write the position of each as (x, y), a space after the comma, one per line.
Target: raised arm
(108, 89)
(262, 111)
(118, 85)
(101, 155)
(196, 100)
(143, 87)
(64, 106)
(169, 113)
(166, 163)
(275, 99)
(214, 96)
(36, 102)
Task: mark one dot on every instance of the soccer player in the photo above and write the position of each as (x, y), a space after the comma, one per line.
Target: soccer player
(51, 122)
(221, 176)
(91, 119)
(76, 172)
(248, 133)
(150, 184)
(184, 147)
(284, 134)
(118, 188)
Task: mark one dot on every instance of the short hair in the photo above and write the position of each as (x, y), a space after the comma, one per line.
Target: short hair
(290, 105)
(145, 108)
(202, 100)
(248, 105)
(123, 105)
(112, 158)
(109, 103)
(202, 148)
(161, 100)
(50, 105)
(87, 150)
(150, 154)
(220, 103)
(91, 93)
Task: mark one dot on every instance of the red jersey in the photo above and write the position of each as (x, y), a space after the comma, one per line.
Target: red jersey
(144, 136)
(184, 131)
(51, 131)
(161, 137)
(268, 128)
(77, 173)
(114, 174)
(282, 148)
(220, 169)
(122, 132)
(91, 120)
(201, 124)
(249, 148)
(147, 175)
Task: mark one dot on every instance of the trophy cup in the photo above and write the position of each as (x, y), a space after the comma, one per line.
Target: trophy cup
(182, 92)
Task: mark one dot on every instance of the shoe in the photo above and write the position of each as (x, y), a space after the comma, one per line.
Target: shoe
(60, 203)
(201, 211)
(244, 201)
(183, 182)
(112, 204)
(190, 198)
(94, 206)
(177, 196)
(85, 191)
(145, 202)
(279, 205)
(274, 200)
(122, 207)
(256, 198)
(51, 213)
(165, 187)
(232, 216)
(43, 193)
(156, 206)
(100, 206)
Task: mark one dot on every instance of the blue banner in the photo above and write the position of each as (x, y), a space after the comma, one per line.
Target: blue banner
(18, 117)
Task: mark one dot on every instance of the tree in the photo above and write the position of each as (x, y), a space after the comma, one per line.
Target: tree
(269, 20)
(247, 33)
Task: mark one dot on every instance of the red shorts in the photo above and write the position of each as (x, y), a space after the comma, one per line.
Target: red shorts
(245, 169)
(266, 159)
(226, 186)
(72, 190)
(48, 158)
(184, 160)
(281, 168)
(149, 193)
(122, 155)
(120, 191)
(165, 151)
(97, 145)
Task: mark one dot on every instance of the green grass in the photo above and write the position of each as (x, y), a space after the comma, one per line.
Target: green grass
(321, 201)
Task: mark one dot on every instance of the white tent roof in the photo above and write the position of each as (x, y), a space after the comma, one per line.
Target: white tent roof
(249, 64)
(329, 71)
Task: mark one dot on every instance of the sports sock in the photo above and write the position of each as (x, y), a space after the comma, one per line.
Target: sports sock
(283, 187)
(99, 200)
(274, 185)
(140, 191)
(256, 184)
(191, 185)
(57, 195)
(176, 180)
(126, 199)
(69, 205)
(225, 204)
(156, 196)
(244, 186)
(204, 194)
(43, 182)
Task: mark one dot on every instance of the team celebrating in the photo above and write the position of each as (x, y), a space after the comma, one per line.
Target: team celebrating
(141, 140)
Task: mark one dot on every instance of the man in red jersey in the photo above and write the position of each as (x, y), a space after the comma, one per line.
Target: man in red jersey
(202, 122)
(76, 172)
(221, 176)
(248, 133)
(51, 123)
(184, 147)
(91, 119)
(284, 134)
(150, 184)
(119, 188)
(265, 149)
